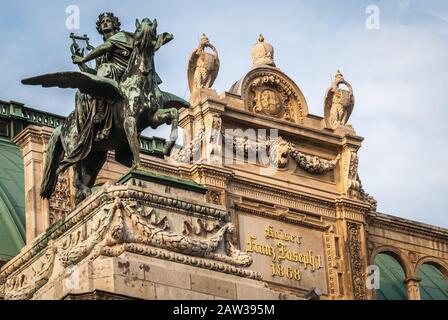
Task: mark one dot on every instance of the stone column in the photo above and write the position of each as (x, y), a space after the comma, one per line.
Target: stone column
(413, 287)
(33, 141)
(351, 224)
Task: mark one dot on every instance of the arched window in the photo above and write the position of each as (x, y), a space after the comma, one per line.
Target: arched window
(392, 277)
(434, 284)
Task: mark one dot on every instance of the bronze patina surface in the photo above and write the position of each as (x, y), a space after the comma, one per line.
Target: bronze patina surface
(114, 104)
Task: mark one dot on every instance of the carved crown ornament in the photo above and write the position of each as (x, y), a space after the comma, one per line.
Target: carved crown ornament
(267, 91)
(262, 53)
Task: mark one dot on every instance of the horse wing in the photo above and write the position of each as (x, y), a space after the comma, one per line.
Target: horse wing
(173, 101)
(328, 102)
(95, 86)
(191, 68)
(214, 69)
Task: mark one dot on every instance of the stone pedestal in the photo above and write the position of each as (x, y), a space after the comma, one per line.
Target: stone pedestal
(147, 237)
(133, 276)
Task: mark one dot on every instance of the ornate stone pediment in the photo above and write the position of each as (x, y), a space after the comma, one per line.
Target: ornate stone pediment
(268, 91)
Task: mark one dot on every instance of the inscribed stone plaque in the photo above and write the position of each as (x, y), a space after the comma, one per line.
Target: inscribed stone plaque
(285, 254)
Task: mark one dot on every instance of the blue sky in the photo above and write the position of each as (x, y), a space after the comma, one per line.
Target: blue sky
(399, 73)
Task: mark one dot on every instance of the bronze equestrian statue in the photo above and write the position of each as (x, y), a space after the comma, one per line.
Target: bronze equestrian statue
(115, 103)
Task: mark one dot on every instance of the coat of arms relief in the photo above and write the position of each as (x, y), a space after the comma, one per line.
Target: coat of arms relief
(271, 94)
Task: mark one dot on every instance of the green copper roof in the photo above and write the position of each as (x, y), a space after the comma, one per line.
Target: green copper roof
(392, 277)
(434, 285)
(12, 202)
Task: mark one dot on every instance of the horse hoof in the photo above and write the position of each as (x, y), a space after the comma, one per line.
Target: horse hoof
(136, 165)
(168, 147)
(81, 195)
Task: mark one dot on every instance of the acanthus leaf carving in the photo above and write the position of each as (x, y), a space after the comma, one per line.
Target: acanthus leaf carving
(25, 284)
(352, 182)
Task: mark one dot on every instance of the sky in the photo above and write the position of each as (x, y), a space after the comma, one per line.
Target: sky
(397, 65)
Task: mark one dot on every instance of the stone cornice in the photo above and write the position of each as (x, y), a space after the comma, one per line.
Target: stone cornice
(353, 209)
(410, 227)
(185, 259)
(297, 201)
(33, 133)
(287, 217)
(238, 114)
(213, 171)
(106, 196)
(209, 101)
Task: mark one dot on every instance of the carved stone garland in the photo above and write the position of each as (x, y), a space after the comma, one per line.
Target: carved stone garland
(120, 223)
(191, 150)
(279, 150)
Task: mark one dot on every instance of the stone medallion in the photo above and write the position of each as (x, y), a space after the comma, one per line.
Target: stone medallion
(267, 91)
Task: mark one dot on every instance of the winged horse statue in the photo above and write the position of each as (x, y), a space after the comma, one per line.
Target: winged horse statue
(138, 103)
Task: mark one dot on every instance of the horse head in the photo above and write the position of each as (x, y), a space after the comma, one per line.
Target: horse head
(145, 40)
(145, 35)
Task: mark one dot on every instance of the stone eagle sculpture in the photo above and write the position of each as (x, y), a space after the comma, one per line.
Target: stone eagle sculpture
(203, 67)
(338, 103)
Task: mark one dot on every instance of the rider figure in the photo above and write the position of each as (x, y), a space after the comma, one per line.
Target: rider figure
(94, 117)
